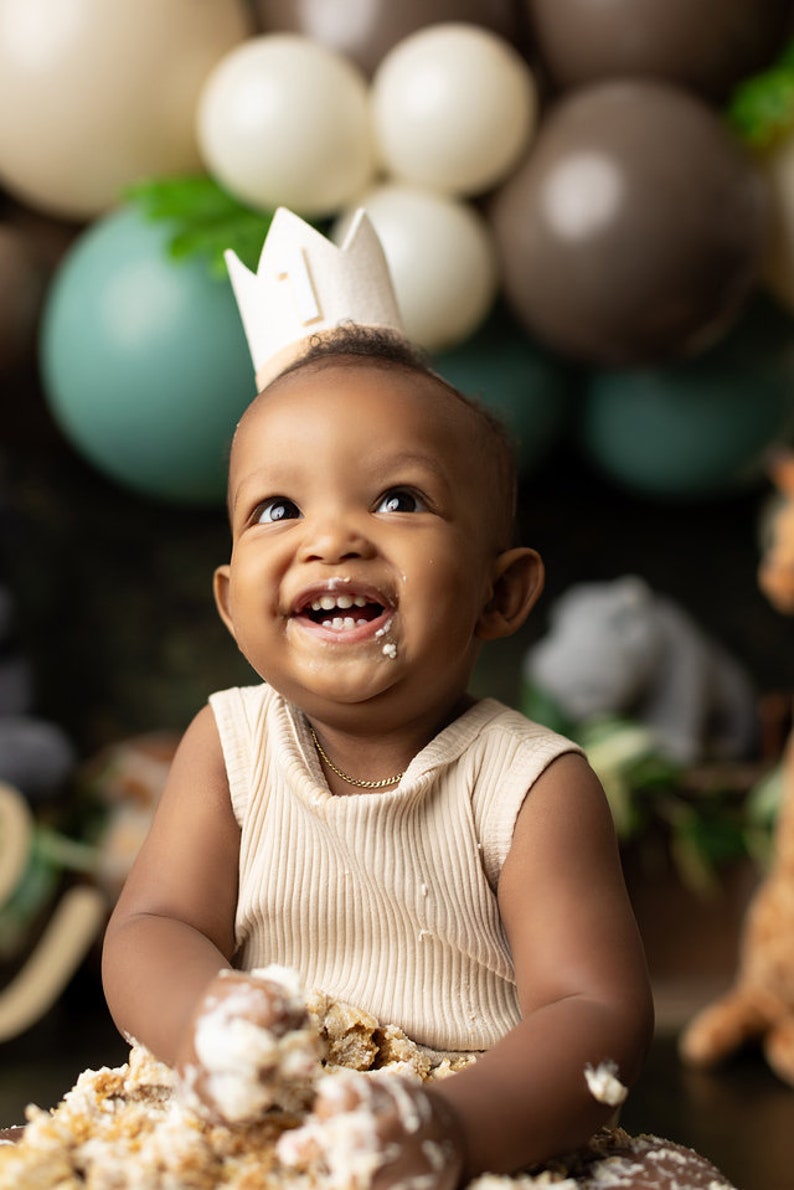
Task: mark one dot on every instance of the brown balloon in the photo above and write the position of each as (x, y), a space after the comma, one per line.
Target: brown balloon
(365, 30)
(707, 45)
(635, 228)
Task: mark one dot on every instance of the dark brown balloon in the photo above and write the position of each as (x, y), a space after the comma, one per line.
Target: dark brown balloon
(365, 30)
(635, 228)
(707, 45)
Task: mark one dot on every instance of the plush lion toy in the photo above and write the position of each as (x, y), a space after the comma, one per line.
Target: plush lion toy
(760, 1005)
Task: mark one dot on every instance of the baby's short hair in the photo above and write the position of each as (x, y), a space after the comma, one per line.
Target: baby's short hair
(352, 344)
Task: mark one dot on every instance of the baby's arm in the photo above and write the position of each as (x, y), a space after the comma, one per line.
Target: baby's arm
(172, 930)
(581, 978)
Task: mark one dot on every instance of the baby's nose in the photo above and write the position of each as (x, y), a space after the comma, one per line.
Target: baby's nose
(334, 538)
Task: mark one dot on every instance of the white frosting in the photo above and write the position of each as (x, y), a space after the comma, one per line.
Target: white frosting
(604, 1084)
(246, 1067)
(234, 1053)
(347, 1140)
(345, 1137)
(289, 982)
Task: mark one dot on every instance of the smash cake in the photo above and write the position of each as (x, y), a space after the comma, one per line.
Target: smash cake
(140, 1127)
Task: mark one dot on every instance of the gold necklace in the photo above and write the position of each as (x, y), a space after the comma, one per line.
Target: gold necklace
(382, 784)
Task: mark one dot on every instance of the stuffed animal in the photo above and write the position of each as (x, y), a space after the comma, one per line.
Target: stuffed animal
(56, 891)
(776, 570)
(760, 1005)
(618, 648)
(29, 856)
(36, 759)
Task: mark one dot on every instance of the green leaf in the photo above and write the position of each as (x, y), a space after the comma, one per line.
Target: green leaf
(539, 706)
(761, 108)
(36, 886)
(206, 219)
(705, 840)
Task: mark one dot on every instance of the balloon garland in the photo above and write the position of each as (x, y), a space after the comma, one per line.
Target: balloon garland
(572, 157)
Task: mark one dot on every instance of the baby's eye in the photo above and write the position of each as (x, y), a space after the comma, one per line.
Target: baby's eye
(400, 500)
(278, 508)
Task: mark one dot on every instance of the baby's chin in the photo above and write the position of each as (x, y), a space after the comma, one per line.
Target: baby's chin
(350, 677)
(347, 699)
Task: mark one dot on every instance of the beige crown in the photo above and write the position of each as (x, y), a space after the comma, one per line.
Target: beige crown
(305, 286)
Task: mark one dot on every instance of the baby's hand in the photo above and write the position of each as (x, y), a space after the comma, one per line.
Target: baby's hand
(250, 1047)
(372, 1131)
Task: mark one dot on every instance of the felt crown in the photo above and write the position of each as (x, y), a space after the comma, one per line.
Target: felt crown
(305, 286)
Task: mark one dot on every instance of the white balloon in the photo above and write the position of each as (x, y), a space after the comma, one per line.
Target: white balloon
(95, 95)
(284, 121)
(441, 257)
(454, 107)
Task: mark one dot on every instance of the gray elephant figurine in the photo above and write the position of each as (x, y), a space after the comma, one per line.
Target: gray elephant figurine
(618, 648)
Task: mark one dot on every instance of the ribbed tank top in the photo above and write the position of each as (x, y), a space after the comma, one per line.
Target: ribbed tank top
(386, 900)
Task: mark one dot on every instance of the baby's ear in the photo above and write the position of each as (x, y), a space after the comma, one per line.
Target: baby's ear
(517, 579)
(220, 589)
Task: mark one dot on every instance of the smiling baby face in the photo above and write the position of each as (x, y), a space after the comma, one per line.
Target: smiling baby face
(365, 539)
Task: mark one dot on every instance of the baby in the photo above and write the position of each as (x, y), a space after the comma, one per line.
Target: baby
(357, 817)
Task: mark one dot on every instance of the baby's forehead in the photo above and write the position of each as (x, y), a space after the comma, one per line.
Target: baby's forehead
(458, 438)
(433, 404)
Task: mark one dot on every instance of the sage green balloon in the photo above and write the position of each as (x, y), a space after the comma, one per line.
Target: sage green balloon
(701, 428)
(144, 360)
(528, 388)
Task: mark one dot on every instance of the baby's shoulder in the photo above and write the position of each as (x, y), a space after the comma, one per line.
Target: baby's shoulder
(503, 729)
(243, 699)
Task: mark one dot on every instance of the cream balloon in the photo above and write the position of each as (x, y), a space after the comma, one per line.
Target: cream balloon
(96, 95)
(441, 257)
(284, 121)
(454, 107)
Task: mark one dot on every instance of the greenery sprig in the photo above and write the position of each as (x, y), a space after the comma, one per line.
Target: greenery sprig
(707, 820)
(206, 219)
(761, 108)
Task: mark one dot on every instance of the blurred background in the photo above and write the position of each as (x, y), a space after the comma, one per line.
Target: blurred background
(588, 210)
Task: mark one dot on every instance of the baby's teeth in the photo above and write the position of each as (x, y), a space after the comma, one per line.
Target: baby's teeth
(340, 623)
(327, 603)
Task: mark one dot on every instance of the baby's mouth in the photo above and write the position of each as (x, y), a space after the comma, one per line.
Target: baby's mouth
(343, 611)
